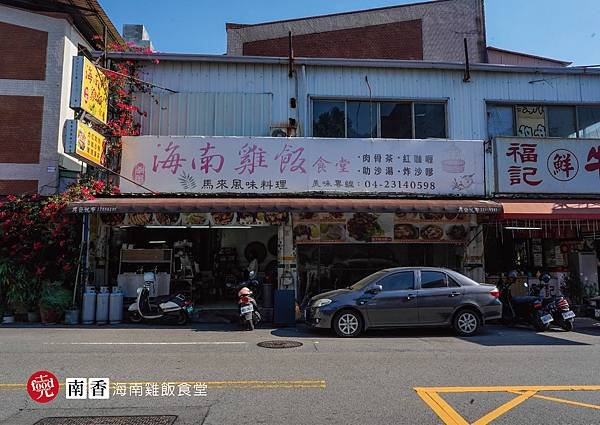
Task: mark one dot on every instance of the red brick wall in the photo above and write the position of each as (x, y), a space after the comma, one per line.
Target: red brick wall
(22, 53)
(18, 187)
(399, 40)
(21, 129)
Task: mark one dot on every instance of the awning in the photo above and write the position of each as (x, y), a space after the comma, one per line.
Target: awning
(545, 209)
(174, 205)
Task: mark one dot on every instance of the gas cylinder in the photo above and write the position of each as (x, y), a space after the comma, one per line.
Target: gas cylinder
(115, 314)
(88, 313)
(102, 302)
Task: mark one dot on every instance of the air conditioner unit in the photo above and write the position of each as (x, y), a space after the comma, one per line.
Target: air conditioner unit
(279, 131)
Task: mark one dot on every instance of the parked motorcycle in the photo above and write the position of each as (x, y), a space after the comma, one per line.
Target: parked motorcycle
(171, 308)
(525, 309)
(556, 305)
(249, 314)
(251, 283)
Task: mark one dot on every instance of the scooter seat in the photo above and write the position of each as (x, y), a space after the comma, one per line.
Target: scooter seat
(526, 299)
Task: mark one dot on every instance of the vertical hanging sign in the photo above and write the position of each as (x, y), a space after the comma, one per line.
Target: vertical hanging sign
(89, 89)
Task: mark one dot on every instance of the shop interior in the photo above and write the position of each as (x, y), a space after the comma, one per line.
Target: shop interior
(566, 250)
(198, 262)
(324, 267)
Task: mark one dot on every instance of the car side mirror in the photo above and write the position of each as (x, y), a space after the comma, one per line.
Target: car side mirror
(375, 289)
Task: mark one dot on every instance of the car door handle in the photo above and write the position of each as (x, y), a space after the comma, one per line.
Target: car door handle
(411, 296)
(454, 294)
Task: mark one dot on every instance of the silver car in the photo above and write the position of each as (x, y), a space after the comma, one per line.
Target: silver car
(406, 297)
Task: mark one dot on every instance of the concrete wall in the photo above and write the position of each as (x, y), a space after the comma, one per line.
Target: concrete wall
(444, 25)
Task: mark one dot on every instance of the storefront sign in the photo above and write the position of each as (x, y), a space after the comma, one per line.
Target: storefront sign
(84, 143)
(547, 165)
(190, 219)
(301, 165)
(322, 228)
(89, 89)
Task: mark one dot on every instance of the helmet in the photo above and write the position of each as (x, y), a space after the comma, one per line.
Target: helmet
(244, 292)
(512, 274)
(545, 278)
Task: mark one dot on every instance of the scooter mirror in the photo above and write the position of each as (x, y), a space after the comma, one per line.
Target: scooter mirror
(252, 274)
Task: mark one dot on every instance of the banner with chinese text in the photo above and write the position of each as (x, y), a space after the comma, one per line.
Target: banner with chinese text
(262, 165)
(547, 165)
(89, 89)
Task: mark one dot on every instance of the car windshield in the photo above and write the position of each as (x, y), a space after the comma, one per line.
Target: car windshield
(367, 280)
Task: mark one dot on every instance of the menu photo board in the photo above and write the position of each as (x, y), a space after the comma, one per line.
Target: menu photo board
(84, 143)
(362, 227)
(89, 89)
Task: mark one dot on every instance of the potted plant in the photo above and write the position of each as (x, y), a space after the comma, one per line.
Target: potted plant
(54, 300)
(6, 271)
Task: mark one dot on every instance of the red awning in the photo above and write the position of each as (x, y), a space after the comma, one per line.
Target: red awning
(174, 205)
(527, 209)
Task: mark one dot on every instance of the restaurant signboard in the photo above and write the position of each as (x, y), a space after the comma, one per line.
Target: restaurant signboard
(264, 165)
(547, 166)
(89, 89)
(84, 143)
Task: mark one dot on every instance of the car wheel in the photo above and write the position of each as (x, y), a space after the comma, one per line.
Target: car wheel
(347, 324)
(466, 323)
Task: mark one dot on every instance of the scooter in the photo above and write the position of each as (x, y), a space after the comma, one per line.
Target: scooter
(556, 305)
(249, 314)
(252, 283)
(171, 308)
(526, 309)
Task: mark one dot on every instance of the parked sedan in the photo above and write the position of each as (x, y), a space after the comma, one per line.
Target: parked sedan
(406, 297)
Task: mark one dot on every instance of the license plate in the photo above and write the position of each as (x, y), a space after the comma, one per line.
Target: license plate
(246, 309)
(546, 319)
(568, 315)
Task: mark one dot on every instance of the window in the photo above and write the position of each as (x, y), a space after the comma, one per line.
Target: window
(561, 121)
(452, 283)
(589, 121)
(396, 120)
(362, 119)
(398, 281)
(430, 121)
(564, 121)
(367, 119)
(431, 280)
(500, 121)
(329, 119)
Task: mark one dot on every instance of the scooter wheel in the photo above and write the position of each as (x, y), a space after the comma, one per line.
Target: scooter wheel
(540, 327)
(567, 325)
(182, 319)
(134, 317)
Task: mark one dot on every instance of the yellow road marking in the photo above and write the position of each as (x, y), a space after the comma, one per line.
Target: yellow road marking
(562, 400)
(209, 384)
(504, 408)
(442, 408)
(449, 416)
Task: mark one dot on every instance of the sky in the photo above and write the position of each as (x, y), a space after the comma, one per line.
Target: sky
(561, 29)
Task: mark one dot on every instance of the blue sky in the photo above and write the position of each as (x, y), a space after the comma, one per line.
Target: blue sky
(561, 29)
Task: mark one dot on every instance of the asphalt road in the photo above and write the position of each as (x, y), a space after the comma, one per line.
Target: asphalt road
(370, 380)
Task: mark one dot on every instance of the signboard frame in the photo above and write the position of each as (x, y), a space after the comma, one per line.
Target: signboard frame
(73, 131)
(82, 89)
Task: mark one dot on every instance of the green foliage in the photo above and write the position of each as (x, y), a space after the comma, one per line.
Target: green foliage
(54, 297)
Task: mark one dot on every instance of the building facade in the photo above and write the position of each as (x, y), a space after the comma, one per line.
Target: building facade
(472, 165)
(37, 46)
